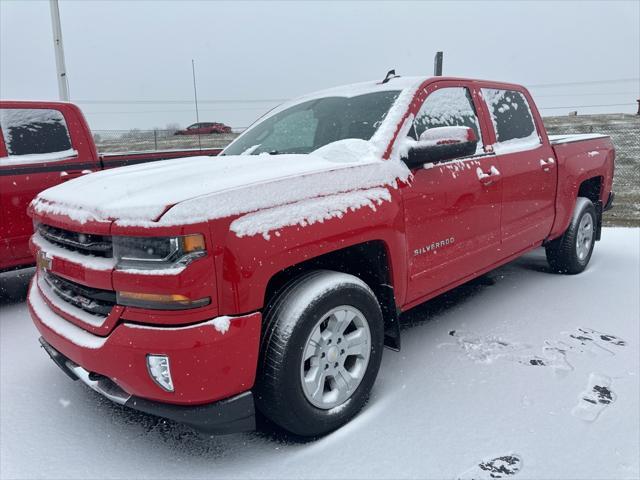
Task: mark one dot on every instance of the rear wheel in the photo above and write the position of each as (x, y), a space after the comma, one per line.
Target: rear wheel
(571, 252)
(320, 354)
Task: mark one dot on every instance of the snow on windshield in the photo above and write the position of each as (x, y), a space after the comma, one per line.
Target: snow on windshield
(313, 124)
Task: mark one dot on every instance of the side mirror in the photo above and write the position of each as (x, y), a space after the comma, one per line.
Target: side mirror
(441, 143)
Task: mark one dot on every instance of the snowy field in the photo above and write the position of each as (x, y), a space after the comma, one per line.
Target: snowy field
(521, 373)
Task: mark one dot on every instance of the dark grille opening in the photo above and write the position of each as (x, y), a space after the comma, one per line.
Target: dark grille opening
(92, 300)
(87, 243)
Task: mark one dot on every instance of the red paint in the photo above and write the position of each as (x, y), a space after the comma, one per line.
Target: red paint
(491, 220)
(20, 184)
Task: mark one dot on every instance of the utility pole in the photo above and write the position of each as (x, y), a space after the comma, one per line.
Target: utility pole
(63, 82)
(437, 65)
(195, 96)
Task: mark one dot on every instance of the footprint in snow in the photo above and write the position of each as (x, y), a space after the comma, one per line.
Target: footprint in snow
(486, 349)
(554, 355)
(595, 398)
(595, 341)
(499, 467)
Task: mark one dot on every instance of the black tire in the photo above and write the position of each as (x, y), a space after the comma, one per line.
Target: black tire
(562, 253)
(288, 323)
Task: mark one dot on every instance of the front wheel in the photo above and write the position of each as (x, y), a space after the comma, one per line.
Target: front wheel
(571, 252)
(321, 353)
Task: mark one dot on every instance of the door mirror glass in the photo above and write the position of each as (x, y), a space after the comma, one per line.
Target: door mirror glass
(440, 144)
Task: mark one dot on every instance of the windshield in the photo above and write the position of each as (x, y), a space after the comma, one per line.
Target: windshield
(308, 126)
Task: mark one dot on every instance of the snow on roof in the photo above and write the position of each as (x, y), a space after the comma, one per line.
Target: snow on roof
(403, 84)
(355, 89)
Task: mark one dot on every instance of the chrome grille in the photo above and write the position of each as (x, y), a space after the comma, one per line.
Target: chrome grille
(86, 243)
(92, 300)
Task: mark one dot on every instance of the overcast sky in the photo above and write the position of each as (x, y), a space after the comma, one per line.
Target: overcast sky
(129, 63)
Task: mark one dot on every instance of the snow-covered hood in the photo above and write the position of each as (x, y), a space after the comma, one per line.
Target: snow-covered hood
(196, 189)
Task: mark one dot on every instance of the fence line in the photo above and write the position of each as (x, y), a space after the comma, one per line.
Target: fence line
(108, 141)
(625, 134)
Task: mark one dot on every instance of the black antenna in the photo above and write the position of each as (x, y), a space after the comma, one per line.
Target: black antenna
(437, 64)
(390, 74)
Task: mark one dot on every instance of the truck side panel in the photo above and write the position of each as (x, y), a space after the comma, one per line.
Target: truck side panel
(578, 162)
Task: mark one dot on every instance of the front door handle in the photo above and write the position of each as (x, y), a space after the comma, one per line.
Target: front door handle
(487, 178)
(546, 165)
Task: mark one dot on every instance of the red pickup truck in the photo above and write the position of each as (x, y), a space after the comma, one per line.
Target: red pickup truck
(43, 144)
(205, 128)
(269, 278)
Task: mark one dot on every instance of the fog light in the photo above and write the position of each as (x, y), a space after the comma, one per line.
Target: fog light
(158, 366)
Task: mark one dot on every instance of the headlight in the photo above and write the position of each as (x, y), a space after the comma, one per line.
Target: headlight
(157, 252)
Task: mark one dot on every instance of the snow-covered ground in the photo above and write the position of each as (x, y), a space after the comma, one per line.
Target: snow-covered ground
(519, 371)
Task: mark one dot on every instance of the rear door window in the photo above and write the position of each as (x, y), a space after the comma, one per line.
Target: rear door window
(35, 131)
(511, 117)
(445, 107)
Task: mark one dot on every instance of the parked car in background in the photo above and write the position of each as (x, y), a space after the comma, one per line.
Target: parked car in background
(272, 277)
(204, 128)
(43, 144)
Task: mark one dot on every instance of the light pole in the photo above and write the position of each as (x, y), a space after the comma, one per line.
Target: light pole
(63, 82)
(195, 97)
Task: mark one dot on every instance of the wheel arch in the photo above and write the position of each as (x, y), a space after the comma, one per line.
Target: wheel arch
(370, 261)
(590, 187)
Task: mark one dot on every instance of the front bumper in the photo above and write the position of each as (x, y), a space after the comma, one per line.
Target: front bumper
(213, 365)
(234, 414)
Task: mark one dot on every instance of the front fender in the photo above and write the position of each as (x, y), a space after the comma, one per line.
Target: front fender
(245, 264)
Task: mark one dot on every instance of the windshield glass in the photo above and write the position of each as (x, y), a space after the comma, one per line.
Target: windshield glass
(308, 126)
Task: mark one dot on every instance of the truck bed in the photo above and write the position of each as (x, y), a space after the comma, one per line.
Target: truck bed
(577, 137)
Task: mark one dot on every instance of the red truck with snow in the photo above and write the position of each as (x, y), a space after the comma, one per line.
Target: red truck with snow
(269, 278)
(43, 144)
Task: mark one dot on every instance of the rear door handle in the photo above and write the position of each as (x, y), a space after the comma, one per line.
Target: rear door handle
(546, 165)
(487, 178)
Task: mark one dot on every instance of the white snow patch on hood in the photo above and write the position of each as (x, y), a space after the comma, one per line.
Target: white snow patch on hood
(351, 150)
(203, 188)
